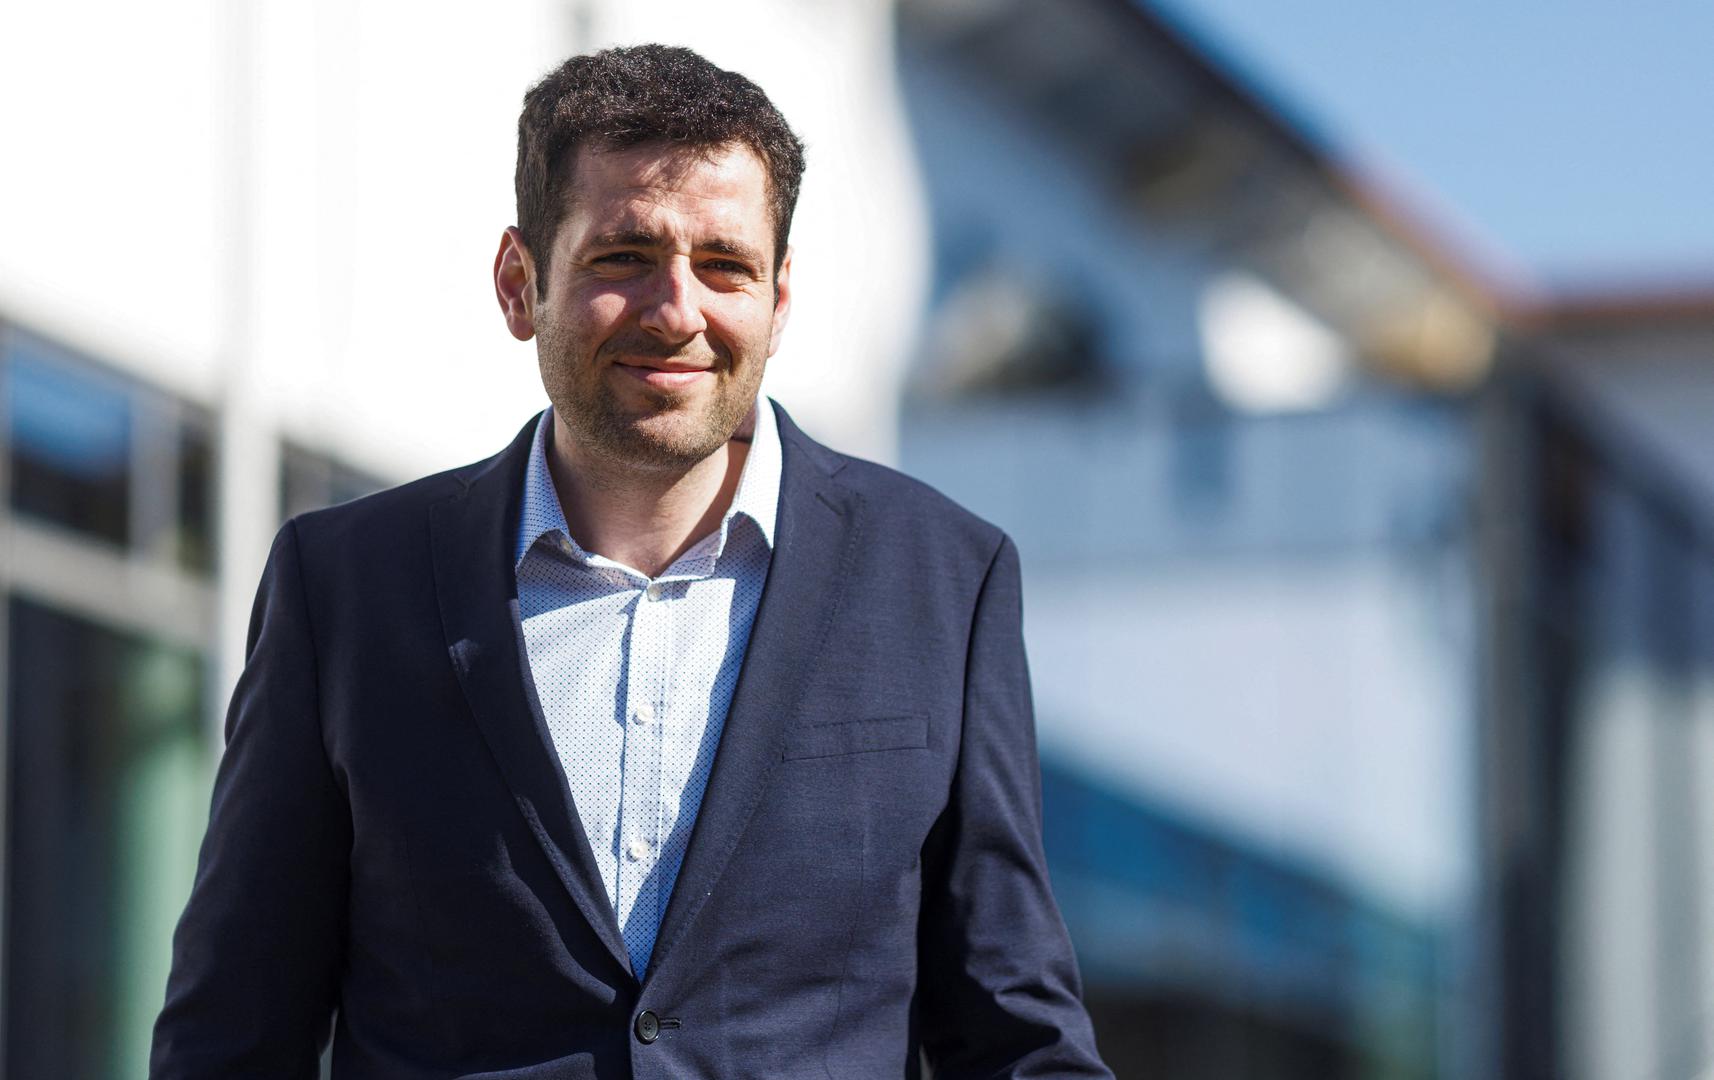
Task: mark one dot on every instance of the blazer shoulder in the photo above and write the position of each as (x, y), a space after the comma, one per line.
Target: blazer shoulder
(907, 509)
(904, 494)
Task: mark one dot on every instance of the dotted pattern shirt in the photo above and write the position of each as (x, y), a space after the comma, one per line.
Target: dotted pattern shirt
(635, 674)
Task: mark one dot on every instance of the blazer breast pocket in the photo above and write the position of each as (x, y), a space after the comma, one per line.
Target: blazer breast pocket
(857, 737)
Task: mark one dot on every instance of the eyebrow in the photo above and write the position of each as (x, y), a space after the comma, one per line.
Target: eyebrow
(626, 238)
(645, 239)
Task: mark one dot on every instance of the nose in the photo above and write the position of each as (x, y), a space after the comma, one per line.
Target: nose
(672, 308)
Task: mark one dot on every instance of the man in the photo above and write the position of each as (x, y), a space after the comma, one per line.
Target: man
(665, 743)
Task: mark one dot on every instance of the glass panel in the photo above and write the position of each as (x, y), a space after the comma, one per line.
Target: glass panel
(109, 775)
(349, 483)
(311, 480)
(71, 441)
(304, 481)
(196, 548)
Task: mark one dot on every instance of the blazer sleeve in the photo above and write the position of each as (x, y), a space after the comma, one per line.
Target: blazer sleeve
(998, 987)
(259, 950)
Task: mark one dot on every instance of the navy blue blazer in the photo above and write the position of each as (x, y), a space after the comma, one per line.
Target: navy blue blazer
(393, 847)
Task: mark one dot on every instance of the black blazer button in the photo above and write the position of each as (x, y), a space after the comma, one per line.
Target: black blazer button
(647, 1027)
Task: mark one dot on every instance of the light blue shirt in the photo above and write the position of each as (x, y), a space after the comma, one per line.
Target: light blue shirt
(635, 674)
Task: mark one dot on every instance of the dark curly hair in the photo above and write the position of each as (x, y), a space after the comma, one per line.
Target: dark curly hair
(624, 97)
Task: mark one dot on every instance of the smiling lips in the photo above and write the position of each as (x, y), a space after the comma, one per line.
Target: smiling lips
(668, 376)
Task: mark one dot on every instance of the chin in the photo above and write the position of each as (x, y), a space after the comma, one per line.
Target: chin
(666, 440)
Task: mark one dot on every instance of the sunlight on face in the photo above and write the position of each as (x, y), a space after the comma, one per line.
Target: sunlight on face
(659, 311)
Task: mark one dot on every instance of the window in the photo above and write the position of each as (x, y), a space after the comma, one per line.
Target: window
(71, 441)
(107, 755)
(194, 541)
(107, 785)
(310, 480)
(101, 455)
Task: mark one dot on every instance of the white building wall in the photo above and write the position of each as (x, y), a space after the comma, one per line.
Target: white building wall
(1301, 706)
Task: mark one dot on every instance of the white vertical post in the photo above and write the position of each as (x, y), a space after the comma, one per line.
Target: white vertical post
(247, 457)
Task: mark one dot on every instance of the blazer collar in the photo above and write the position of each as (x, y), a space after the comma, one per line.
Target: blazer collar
(473, 537)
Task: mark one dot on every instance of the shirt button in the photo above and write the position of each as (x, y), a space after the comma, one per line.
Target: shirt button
(655, 591)
(648, 1027)
(636, 849)
(645, 713)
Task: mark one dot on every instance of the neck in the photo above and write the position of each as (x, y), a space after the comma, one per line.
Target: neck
(644, 519)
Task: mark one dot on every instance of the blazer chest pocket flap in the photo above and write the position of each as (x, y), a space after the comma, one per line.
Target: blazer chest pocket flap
(857, 736)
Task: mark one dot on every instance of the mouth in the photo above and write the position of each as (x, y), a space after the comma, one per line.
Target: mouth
(666, 376)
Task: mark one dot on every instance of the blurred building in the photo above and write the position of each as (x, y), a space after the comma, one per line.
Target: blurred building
(1224, 402)
(1369, 611)
(1368, 603)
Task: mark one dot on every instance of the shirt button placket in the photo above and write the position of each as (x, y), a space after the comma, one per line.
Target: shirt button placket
(641, 774)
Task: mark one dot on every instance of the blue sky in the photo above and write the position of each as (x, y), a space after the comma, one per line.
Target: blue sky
(1573, 139)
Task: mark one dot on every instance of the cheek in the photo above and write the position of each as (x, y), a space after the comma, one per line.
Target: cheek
(596, 311)
(580, 323)
(749, 325)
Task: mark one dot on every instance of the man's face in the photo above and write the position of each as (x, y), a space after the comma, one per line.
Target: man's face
(660, 309)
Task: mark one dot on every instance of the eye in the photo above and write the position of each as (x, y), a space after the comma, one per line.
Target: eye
(619, 258)
(727, 268)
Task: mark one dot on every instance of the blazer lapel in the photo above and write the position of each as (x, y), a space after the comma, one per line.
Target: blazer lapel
(471, 535)
(815, 537)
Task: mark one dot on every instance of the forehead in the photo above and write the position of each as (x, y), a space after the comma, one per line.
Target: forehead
(723, 189)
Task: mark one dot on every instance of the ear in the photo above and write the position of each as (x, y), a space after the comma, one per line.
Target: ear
(782, 301)
(515, 284)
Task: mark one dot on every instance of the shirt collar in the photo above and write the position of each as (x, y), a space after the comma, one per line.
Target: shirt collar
(757, 497)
